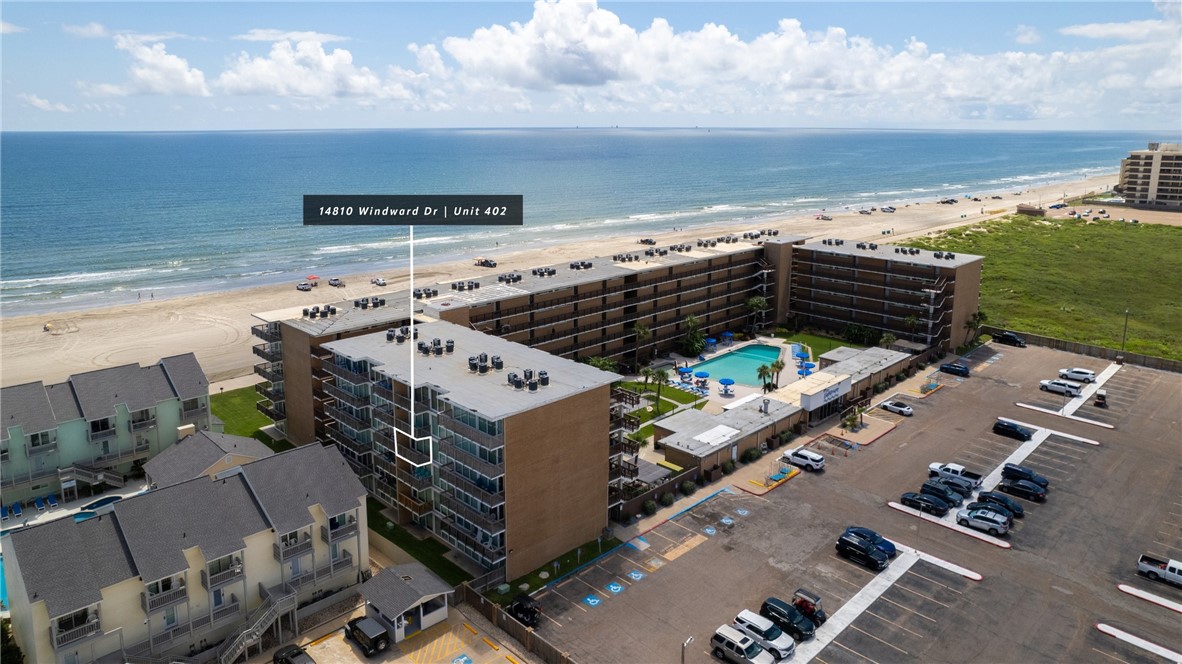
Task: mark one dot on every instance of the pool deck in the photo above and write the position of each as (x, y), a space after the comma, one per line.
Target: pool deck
(32, 517)
(717, 402)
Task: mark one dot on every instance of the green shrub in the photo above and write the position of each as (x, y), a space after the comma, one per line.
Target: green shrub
(902, 376)
(688, 487)
(649, 508)
(751, 455)
(667, 499)
(728, 467)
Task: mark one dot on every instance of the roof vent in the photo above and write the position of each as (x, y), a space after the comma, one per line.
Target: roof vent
(533, 386)
(473, 364)
(543, 378)
(450, 346)
(528, 374)
(949, 255)
(497, 363)
(390, 335)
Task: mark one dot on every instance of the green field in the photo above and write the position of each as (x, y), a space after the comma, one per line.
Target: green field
(237, 412)
(1073, 279)
(427, 551)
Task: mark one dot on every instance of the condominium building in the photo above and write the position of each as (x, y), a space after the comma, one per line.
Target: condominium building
(91, 428)
(500, 450)
(199, 569)
(914, 294)
(1153, 177)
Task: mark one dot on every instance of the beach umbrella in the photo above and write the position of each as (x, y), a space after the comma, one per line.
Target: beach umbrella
(728, 334)
(802, 355)
(312, 277)
(809, 365)
(711, 340)
(684, 370)
(802, 372)
(726, 381)
(702, 374)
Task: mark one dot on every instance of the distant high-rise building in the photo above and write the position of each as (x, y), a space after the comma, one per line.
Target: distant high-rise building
(1153, 177)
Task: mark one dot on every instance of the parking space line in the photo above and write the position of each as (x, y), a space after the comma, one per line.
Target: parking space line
(1112, 656)
(909, 609)
(1150, 597)
(951, 524)
(880, 640)
(646, 567)
(884, 619)
(621, 578)
(837, 643)
(919, 594)
(1139, 642)
(654, 532)
(937, 583)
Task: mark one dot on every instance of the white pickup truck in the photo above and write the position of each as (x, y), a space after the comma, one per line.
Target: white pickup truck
(1157, 569)
(954, 470)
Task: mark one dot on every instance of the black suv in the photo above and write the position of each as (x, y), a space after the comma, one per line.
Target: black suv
(939, 490)
(1005, 501)
(956, 369)
(1012, 471)
(1012, 430)
(368, 634)
(1010, 339)
(861, 551)
(788, 618)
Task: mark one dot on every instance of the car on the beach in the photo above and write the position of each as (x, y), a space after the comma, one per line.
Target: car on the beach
(824, 217)
(864, 212)
(337, 283)
(304, 286)
(888, 208)
(897, 407)
(378, 281)
(1056, 206)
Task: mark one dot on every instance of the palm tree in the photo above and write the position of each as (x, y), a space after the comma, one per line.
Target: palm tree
(643, 334)
(693, 341)
(887, 340)
(602, 363)
(755, 305)
(660, 377)
(973, 325)
(647, 374)
(764, 372)
(912, 322)
(776, 368)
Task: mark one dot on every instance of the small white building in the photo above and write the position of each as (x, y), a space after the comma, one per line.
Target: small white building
(406, 599)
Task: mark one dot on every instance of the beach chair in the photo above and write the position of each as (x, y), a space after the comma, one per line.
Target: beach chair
(39, 503)
(3, 512)
(52, 500)
(17, 512)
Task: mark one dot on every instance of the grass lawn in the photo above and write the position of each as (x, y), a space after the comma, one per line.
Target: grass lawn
(237, 412)
(566, 562)
(1073, 279)
(818, 343)
(667, 392)
(427, 551)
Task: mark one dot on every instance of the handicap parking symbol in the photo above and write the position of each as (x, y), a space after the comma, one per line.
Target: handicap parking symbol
(741, 512)
(615, 588)
(727, 521)
(591, 600)
(462, 659)
(636, 575)
(710, 531)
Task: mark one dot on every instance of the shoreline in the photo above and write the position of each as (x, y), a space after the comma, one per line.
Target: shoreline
(216, 325)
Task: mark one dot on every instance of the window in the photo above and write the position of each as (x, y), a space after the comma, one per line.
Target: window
(335, 551)
(142, 416)
(74, 620)
(190, 405)
(161, 586)
(222, 564)
(42, 438)
(99, 426)
(290, 539)
(170, 616)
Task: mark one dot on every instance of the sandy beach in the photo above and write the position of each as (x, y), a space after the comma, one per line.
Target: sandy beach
(217, 326)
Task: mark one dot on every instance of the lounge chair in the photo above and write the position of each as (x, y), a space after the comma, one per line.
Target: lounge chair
(4, 512)
(17, 512)
(39, 503)
(52, 500)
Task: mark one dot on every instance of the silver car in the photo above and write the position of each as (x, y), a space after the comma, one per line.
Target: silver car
(983, 519)
(897, 407)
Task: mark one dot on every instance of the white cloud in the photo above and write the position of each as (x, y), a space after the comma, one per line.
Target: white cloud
(1027, 34)
(300, 70)
(44, 104)
(90, 30)
(273, 35)
(154, 71)
(1149, 30)
(7, 28)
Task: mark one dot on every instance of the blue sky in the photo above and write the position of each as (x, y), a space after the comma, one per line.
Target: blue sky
(193, 66)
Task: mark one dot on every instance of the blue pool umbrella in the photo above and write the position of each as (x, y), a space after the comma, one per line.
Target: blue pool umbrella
(802, 355)
(726, 381)
(728, 334)
(809, 365)
(702, 374)
(802, 372)
(684, 370)
(711, 340)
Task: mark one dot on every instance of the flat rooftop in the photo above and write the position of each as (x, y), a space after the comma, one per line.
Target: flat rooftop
(866, 362)
(699, 434)
(887, 252)
(347, 317)
(488, 395)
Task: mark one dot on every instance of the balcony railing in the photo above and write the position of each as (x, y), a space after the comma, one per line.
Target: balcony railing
(352, 421)
(491, 498)
(105, 434)
(625, 396)
(270, 411)
(271, 371)
(339, 533)
(265, 332)
(140, 425)
(626, 422)
(620, 468)
(345, 374)
(268, 391)
(494, 554)
(35, 450)
(360, 469)
(152, 603)
(417, 507)
(285, 553)
(418, 479)
(118, 456)
(489, 470)
(346, 396)
(75, 634)
(480, 519)
(212, 581)
(472, 433)
(359, 447)
(4, 454)
(622, 445)
(267, 353)
(383, 391)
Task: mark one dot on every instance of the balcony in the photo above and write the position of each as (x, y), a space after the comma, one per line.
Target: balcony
(76, 634)
(269, 392)
(192, 413)
(418, 508)
(360, 469)
(163, 600)
(213, 581)
(105, 434)
(417, 479)
(626, 397)
(268, 353)
(265, 332)
(620, 468)
(345, 374)
(220, 614)
(625, 422)
(491, 498)
(285, 553)
(35, 450)
(351, 421)
(471, 433)
(384, 391)
(121, 455)
(359, 447)
(489, 470)
(622, 445)
(337, 534)
(140, 425)
(346, 396)
(493, 554)
(485, 521)
(270, 411)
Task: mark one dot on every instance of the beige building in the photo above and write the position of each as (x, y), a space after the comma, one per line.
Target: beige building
(199, 569)
(1152, 178)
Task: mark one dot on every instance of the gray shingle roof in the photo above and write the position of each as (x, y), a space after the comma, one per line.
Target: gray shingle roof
(110, 559)
(185, 374)
(65, 406)
(192, 455)
(26, 406)
(396, 589)
(56, 562)
(287, 484)
(98, 392)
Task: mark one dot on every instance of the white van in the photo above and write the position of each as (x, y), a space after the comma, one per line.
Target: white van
(766, 634)
(731, 645)
(1061, 387)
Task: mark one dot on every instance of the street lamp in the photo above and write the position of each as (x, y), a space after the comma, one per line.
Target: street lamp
(1125, 336)
(684, 646)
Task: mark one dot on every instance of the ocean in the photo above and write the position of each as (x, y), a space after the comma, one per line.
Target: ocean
(93, 219)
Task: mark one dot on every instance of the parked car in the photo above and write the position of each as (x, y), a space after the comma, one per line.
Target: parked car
(984, 520)
(1065, 387)
(1003, 500)
(368, 634)
(852, 547)
(897, 407)
(1010, 339)
(292, 654)
(1075, 373)
(804, 459)
(955, 368)
(986, 505)
(525, 609)
(304, 286)
(954, 470)
(1012, 430)
(731, 645)
(883, 544)
(378, 281)
(1157, 569)
(1012, 471)
(925, 503)
(766, 633)
(1023, 489)
(959, 485)
(337, 283)
(935, 488)
(889, 208)
(788, 618)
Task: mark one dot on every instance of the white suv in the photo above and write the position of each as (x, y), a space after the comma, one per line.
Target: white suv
(731, 645)
(804, 458)
(1061, 387)
(766, 634)
(1085, 375)
(987, 520)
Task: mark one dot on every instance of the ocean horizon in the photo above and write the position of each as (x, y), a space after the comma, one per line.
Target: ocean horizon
(93, 219)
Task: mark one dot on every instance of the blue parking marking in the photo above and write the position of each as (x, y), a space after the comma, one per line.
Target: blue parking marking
(727, 521)
(462, 659)
(741, 512)
(615, 588)
(591, 600)
(709, 530)
(636, 575)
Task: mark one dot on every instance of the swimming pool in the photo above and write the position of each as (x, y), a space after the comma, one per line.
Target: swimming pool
(79, 517)
(102, 502)
(3, 586)
(741, 364)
